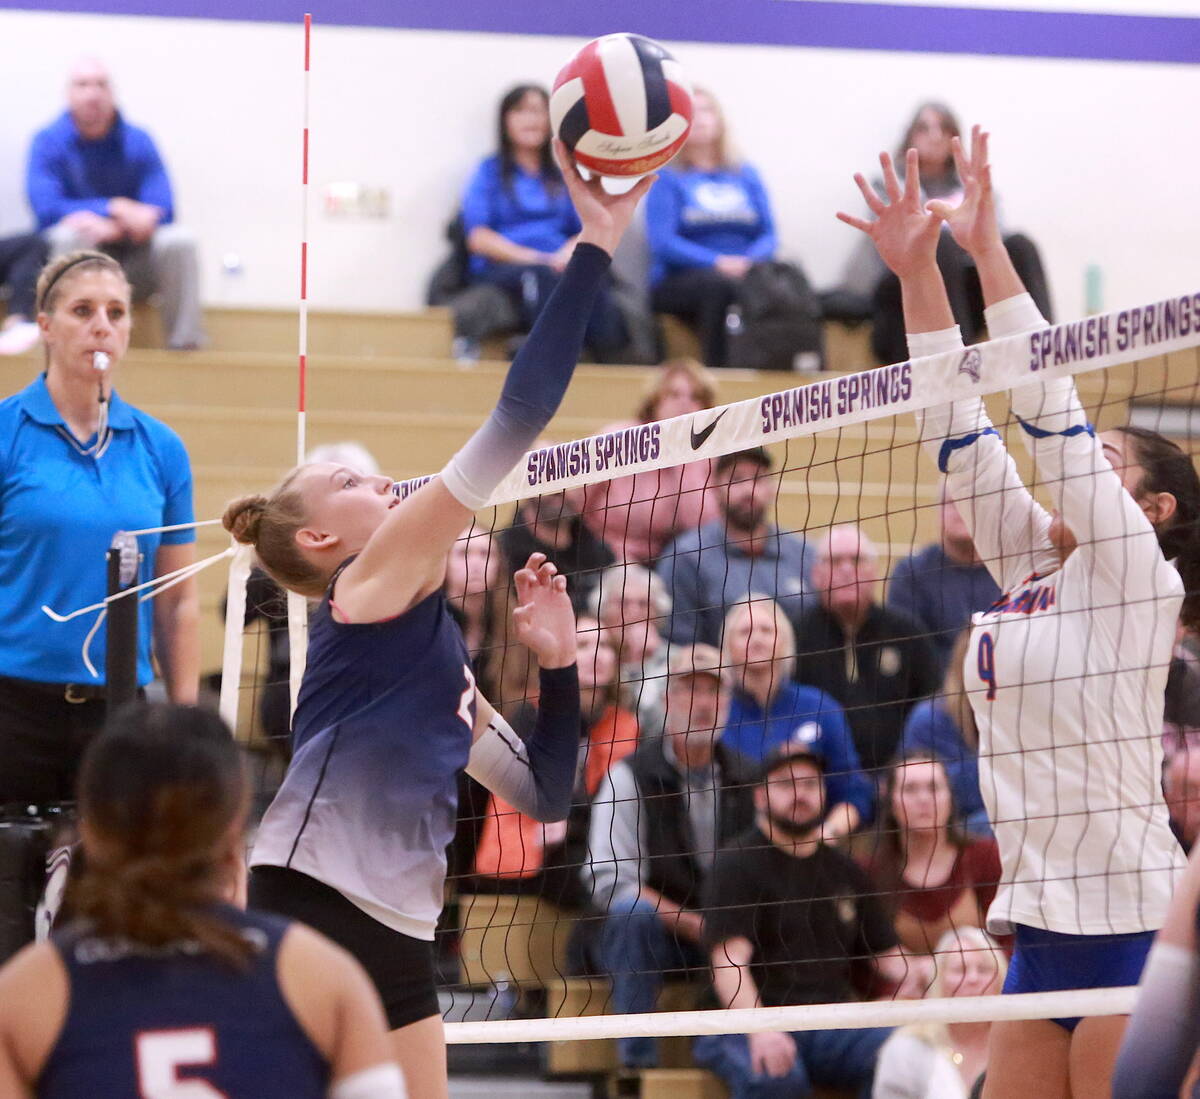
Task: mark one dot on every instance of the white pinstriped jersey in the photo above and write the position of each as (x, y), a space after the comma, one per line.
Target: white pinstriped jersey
(1066, 675)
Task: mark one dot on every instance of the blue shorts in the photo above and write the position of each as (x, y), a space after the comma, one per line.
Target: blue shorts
(1048, 961)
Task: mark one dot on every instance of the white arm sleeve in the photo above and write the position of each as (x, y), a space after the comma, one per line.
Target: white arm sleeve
(499, 761)
(1106, 521)
(377, 1082)
(1008, 526)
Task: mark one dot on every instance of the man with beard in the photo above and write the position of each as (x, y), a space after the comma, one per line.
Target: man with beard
(786, 919)
(737, 555)
(873, 660)
(658, 819)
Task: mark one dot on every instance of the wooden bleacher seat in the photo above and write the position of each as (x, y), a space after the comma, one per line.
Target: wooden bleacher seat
(515, 939)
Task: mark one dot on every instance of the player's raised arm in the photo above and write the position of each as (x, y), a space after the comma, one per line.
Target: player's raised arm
(321, 515)
(1009, 528)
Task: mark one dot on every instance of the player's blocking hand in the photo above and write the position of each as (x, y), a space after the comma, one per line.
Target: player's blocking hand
(973, 221)
(543, 619)
(905, 234)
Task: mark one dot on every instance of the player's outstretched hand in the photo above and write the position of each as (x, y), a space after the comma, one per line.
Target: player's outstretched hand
(973, 221)
(904, 232)
(604, 217)
(544, 620)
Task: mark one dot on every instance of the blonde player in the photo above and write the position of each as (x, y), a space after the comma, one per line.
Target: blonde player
(1066, 671)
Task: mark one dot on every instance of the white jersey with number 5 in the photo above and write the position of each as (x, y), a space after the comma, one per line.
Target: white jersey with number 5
(1066, 672)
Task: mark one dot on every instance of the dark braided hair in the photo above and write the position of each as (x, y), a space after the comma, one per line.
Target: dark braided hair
(547, 169)
(1167, 468)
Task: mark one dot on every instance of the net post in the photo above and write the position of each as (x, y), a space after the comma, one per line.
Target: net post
(121, 624)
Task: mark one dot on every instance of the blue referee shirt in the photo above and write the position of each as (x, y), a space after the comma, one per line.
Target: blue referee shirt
(58, 513)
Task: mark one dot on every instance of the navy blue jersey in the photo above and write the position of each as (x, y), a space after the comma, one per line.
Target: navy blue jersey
(138, 1019)
(382, 728)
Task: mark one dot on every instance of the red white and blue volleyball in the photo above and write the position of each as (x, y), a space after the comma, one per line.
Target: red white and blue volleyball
(622, 105)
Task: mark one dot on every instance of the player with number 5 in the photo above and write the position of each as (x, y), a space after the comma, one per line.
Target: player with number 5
(159, 987)
(1066, 672)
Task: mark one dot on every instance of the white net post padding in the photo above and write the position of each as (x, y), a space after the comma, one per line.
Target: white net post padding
(235, 618)
(297, 607)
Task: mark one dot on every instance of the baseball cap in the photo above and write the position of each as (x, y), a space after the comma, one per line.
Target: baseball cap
(788, 751)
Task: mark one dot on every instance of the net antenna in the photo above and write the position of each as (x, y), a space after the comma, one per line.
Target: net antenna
(296, 604)
(239, 571)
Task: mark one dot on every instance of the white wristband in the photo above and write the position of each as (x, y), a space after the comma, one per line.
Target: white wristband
(1012, 315)
(921, 344)
(377, 1082)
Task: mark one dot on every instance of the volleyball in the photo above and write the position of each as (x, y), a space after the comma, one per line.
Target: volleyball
(622, 105)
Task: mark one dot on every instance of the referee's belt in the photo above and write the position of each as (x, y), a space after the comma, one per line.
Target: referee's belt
(68, 692)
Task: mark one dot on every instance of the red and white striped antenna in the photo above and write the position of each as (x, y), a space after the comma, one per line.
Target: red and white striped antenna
(302, 403)
(297, 606)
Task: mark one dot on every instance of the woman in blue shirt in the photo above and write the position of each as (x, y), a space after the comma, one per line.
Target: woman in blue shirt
(70, 478)
(520, 225)
(768, 708)
(708, 222)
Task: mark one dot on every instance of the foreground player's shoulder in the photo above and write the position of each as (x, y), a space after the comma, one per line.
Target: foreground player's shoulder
(34, 994)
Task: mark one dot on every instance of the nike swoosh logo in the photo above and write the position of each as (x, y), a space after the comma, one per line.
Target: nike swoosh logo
(699, 438)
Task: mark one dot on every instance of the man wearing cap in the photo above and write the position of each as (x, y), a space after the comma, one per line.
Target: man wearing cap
(786, 918)
(658, 820)
(741, 552)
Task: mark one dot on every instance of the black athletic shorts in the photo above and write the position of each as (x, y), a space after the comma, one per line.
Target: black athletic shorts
(401, 967)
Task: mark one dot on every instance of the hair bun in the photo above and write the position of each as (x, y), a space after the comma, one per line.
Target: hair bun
(242, 518)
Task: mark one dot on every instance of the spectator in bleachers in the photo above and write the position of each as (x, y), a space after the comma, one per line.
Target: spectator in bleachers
(96, 181)
(944, 727)
(657, 822)
(69, 482)
(631, 603)
(740, 553)
(945, 1060)
(930, 132)
(1181, 788)
(517, 854)
(1181, 709)
(520, 225)
(787, 919)
(873, 660)
(708, 221)
(637, 515)
(940, 586)
(551, 524)
(768, 709)
(21, 258)
(934, 877)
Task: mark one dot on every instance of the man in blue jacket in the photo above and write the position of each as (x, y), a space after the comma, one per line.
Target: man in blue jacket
(95, 181)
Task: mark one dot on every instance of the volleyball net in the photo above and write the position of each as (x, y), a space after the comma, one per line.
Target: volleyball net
(603, 926)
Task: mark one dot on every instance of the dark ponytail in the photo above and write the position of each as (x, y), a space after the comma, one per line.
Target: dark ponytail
(1168, 468)
(159, 791)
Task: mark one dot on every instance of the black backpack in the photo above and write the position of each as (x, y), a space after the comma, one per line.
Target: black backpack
(776, 324)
